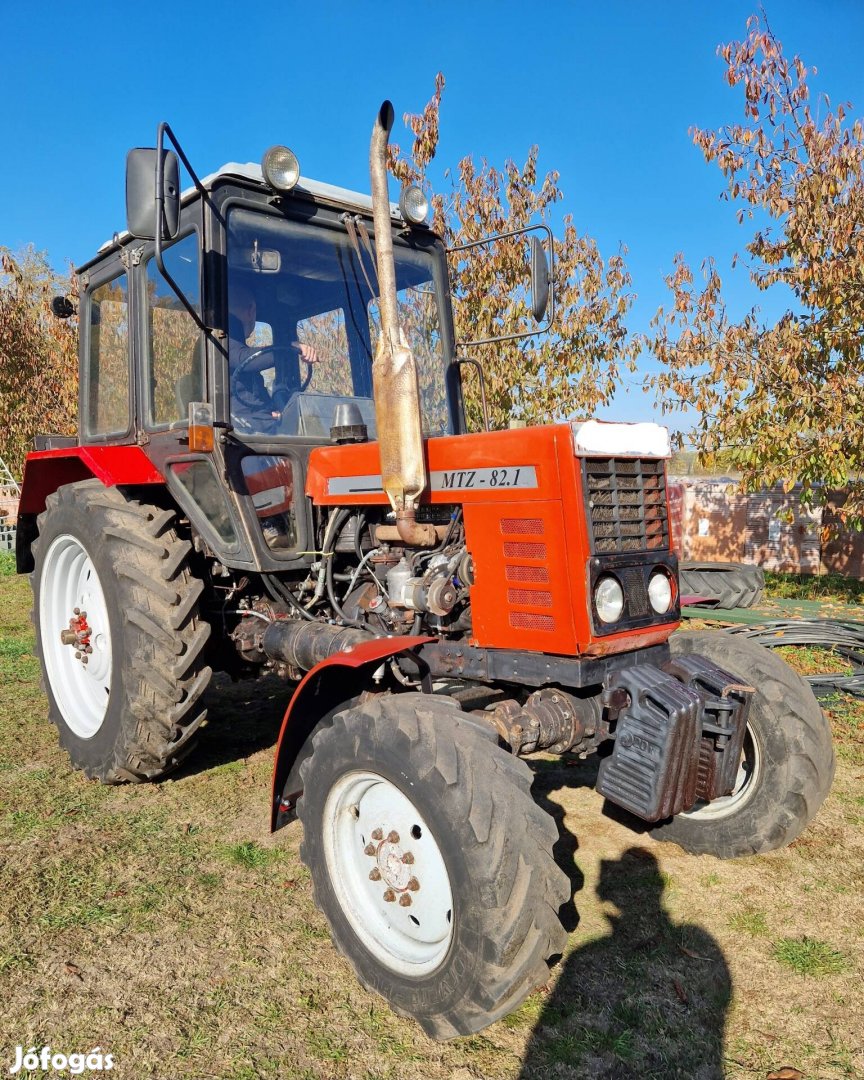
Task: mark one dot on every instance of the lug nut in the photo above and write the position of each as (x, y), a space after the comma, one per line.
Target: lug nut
(408, 858)
(370, 849)
(413, 884)
(374, 874)
(76, 610)
(389, 896)
(377, 834)
(84, 659)
(404, 900)
(83, 614)
(77, 655)
(393, 837)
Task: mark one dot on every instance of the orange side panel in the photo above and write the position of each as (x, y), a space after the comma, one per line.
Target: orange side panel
(521, 595)
(330, 466)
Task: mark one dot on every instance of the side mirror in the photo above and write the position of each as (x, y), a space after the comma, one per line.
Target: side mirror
(142, 206)
(540, 279)
(62, 307)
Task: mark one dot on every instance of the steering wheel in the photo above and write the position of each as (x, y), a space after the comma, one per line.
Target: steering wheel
(254, 354)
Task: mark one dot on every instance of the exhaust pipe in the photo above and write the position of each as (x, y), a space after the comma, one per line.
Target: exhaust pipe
(394, 372)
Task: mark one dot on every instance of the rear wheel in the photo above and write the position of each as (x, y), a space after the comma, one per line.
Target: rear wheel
(431, 862)
(787, 762)
(725, 585)
(118, 632)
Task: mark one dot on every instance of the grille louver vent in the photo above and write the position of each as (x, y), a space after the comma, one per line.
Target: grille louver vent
(627, 504)
(516, 549)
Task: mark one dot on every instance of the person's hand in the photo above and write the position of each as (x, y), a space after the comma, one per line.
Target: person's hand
(307, 352)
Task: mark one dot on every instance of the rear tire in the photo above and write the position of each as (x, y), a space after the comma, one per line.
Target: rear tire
(787, 765)
(404, 798)
(132, 712)
(726, 585)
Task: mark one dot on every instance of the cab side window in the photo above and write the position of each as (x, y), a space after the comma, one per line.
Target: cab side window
(106, 385)
(175, 374)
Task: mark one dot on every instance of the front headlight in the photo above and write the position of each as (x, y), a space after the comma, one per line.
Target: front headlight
(660, 591)
(608, 598)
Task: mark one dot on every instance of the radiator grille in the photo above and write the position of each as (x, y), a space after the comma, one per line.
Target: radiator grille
(627, 504)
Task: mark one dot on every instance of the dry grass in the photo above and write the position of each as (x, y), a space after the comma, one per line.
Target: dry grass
(165, 925)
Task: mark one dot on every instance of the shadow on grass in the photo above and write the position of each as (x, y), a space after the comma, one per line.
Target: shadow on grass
(649, 999)
(242, 719)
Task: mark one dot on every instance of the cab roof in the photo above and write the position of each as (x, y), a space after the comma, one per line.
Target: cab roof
(250, 171)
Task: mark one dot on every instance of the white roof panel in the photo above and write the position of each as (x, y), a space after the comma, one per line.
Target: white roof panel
(252, 171)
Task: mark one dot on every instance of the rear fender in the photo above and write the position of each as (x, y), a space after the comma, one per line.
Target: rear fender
(336, 683)
(47, 470)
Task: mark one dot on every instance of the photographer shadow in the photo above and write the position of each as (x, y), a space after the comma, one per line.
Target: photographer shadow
(648, 999)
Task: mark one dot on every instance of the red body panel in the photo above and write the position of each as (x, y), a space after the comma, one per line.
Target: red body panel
(530, 545)
(47, 470)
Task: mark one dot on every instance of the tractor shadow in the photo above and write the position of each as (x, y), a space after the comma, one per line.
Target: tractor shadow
(649, 997)
(243, 718)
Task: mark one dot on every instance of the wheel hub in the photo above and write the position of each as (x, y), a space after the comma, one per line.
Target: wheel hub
(75, 634)
(389, 873)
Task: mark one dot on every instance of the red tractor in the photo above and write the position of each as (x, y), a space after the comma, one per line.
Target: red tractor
(273, 472)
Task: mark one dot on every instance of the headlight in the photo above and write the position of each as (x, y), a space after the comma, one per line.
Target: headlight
(660, 591)
(609, 598)
(413, 204)
(281, 168)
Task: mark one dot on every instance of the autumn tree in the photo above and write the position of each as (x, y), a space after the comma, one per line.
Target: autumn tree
(38, 356)
(784, 400)
(577, 366)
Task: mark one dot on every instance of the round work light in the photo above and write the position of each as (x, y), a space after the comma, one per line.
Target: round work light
(281, 168)
(413, 204)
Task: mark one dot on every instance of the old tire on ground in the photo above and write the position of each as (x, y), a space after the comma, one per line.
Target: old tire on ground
(728, 585)
(403, 798)
(133, 711)
(788, 761)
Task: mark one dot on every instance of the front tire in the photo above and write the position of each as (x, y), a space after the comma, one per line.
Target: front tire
(125, 699)
(787, 763)
(431, 861)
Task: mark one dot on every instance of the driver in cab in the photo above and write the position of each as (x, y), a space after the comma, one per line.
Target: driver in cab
(253, 407)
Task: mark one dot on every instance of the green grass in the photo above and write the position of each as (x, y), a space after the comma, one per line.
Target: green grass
(163, 923)
(749, 922)
(809, 956)
(7, 563)
(835, 587)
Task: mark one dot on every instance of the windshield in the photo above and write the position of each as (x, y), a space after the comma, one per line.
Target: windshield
(303, 325)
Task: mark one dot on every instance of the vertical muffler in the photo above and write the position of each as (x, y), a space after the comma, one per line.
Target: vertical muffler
(394, 371)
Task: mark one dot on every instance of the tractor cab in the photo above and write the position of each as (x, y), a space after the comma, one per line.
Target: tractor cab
(241, 336)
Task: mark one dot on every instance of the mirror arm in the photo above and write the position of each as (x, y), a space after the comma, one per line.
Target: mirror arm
(480, 374)
(160, 215)
(550, 317)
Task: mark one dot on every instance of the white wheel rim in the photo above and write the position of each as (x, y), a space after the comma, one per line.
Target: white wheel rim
(746, 781)
(69, 580)
(371, 828)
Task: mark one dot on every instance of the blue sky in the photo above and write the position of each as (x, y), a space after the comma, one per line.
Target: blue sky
(608, 92)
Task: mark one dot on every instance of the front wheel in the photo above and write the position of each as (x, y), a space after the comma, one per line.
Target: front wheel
(431, 862)
(787, 761)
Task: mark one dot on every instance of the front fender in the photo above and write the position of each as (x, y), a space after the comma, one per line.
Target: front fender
(332, 684)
